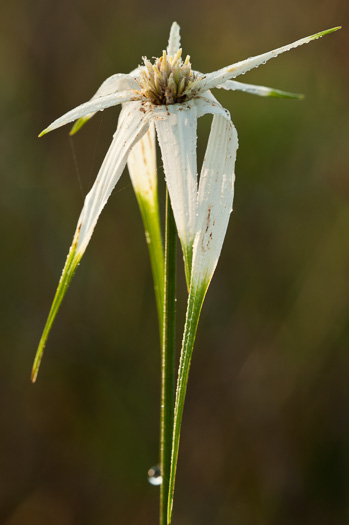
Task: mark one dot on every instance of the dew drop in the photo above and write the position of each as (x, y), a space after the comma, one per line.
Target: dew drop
(154, 476)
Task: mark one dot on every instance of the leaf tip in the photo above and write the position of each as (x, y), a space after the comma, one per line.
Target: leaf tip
(79, 124)
(285, 94)
(326, 32)
(296, 96)
(43, 132)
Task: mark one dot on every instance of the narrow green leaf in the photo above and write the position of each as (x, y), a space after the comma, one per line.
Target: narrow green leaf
(71, 264)
(195, 301)
(80, 123)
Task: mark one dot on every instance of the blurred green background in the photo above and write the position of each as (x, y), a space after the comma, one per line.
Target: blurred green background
(265, 437)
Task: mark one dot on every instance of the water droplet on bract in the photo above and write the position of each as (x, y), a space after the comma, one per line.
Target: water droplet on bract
(154, 476)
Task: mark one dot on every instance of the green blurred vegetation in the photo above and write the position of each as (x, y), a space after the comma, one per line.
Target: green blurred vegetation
(266, 428)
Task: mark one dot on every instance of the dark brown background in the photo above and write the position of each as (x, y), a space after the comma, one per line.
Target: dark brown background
(265, 437)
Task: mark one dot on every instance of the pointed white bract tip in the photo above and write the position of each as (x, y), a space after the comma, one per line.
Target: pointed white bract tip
(175, 29)
(174, 41)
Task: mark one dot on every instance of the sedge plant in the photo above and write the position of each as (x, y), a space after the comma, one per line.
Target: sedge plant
(163, 100)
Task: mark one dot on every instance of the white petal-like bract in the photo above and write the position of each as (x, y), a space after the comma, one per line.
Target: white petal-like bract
(133, 123)
(176, 127)
(261, 91)
(141, 165)
(212, 80)
(216, 193)
(114, 84)
(93, 105)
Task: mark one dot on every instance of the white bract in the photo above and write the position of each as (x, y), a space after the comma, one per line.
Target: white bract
(172, 96)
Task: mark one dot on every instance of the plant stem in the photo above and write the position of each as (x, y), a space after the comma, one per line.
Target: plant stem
(168, 358)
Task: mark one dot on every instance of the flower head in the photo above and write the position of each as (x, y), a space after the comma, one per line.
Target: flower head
(171, 96)
(168, 81)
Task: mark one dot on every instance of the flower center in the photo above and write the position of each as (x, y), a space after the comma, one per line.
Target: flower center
(168, 80)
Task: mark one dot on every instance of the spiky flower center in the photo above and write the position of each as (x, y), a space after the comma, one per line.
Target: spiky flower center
(169, 80)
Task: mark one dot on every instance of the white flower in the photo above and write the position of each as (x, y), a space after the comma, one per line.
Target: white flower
(172, 96)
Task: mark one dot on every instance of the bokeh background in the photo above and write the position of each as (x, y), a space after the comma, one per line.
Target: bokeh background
(265, 437)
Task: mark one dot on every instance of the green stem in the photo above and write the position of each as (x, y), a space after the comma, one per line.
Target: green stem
(195, 301)
(168, 358)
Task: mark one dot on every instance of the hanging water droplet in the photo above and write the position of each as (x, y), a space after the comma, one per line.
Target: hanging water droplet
(154, 476)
